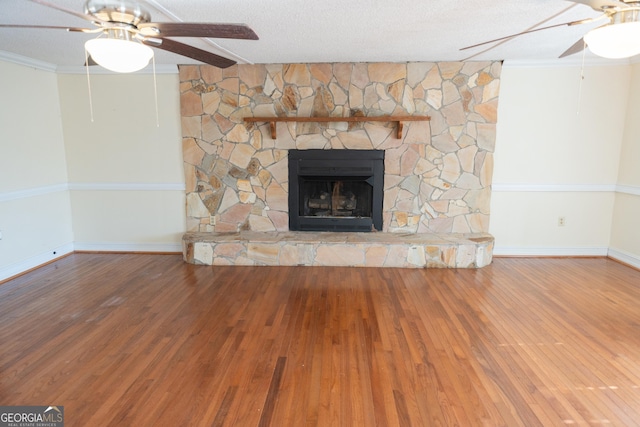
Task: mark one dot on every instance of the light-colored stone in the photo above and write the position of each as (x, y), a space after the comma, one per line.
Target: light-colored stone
(465, 256)
(280, 220)
(264, 252)
(321, 72)
(288, 255)
(467, 157)
(236, 215)
(387, 72)
(191, 152)
(416, 255)
(448, 158)
(210, 130)
(488, 110)
(210, 74)
(450, 93)
(241, 155)
(486, 171)
(417, 71)
(355, 140)
(280, 171)
(454, 114)
(297, 74)
(195, 207)
(246, 197)
(491, 91)
(360, 75)
(238, 134)
(191, 127)
(252, 75)
(210, 102)
(203, 253)
(260, 223)
(340, 255)
(486, 136)
(342, 73)
(434, 98)
(228, 250)
(376, 255)
(312, 141)
(451, 168)
(189, 72)
(229, 199)
(277, 198)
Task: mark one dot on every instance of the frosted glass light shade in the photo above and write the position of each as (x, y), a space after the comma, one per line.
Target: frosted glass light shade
(615, 41)
(121, 56)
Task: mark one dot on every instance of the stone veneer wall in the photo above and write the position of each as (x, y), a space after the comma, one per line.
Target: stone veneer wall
(437, 177)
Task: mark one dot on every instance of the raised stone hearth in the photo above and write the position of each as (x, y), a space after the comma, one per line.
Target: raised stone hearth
(412, 250)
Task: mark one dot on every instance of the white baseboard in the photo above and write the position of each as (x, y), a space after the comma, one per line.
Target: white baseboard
(35, 261)
(626, 257)
(547, 251)
(127, 247)
(41, 259)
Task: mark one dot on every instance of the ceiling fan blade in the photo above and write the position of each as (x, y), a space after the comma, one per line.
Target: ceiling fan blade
(523, 33)
(188, 51)
(199, 29)
(51, 27)
(575, 48)
(602, 4)
(65, 10)
(90, 62)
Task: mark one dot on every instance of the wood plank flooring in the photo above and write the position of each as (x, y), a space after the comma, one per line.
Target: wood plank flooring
(147, 340)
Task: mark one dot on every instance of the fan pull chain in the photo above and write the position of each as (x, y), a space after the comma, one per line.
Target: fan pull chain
(86, 65)
(584, 50)
(155, 90)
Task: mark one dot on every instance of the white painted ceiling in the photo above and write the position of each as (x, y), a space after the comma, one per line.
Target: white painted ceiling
(325, 30)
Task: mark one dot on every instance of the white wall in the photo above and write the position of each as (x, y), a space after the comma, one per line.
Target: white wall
(121, 176)
(625, 228)
(35, 210)
(557, 155)
(125, 168)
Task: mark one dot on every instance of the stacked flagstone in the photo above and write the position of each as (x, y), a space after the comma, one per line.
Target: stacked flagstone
(437, 177)
(415, 250)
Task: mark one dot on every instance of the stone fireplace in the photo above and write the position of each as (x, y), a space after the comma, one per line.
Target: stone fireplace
(437, 175)
(336, 190)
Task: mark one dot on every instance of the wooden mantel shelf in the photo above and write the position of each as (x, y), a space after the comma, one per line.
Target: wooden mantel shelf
(399, 120)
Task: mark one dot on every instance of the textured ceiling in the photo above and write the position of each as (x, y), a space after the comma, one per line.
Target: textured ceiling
(326, 30)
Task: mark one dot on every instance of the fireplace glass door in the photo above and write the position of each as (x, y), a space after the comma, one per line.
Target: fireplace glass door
(335, 190)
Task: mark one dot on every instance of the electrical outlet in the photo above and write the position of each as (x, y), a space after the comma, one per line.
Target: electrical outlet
(0, 234)
(561, 221)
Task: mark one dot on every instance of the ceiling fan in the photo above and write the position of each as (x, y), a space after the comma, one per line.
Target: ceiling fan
(618, 37)
(126, 33)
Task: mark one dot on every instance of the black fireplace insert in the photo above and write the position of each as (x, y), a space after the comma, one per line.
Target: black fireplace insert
(336, 190)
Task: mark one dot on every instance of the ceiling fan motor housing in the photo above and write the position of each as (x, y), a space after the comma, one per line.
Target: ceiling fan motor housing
(125, 12)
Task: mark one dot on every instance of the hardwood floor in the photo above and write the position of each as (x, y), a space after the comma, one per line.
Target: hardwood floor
(146, 340)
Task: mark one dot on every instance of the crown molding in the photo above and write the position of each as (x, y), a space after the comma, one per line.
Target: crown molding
(567, 62)
(27, 62)
(96, 70)
(78, 69)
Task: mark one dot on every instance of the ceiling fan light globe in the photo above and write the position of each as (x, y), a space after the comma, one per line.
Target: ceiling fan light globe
(121, 56)
(615, 41)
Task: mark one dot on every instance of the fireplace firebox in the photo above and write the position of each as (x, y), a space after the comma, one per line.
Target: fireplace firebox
(336, 190)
